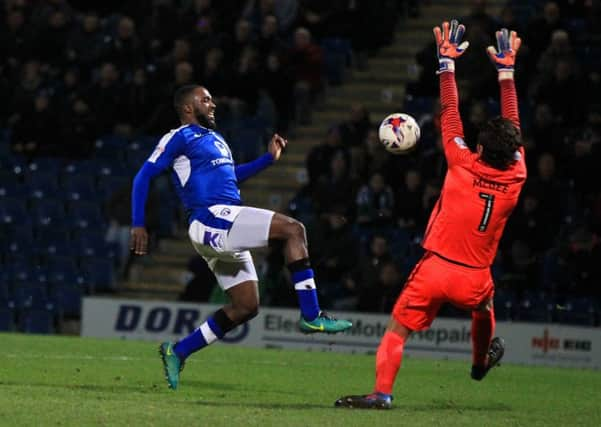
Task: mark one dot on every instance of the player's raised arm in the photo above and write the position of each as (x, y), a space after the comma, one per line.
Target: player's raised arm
(448, 48)
(508, 44)
(274, 151)
(168, 148)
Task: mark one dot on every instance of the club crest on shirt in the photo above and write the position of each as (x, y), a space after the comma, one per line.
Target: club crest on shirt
(222, 147)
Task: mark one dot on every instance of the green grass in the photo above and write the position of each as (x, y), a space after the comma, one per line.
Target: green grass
(75, 381)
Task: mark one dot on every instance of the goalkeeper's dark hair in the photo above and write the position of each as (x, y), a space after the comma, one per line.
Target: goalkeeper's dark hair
(180, 97)
(499, 139)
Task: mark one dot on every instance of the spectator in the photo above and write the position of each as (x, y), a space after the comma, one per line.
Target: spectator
(336, 188)
(409, 207)
(382, 296)
(35, 133)
(306, 61)
(365, 274)
(86, 46)
(375, 202)
(320, 157)
(106, 97)
(279, 86)
(334, 254)
(124, 49)
(539, 30)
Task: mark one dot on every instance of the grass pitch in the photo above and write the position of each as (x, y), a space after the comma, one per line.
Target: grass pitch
(80, 382)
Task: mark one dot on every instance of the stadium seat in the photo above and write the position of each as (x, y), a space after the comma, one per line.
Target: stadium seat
(20, 232)
(42, 184)
(67, 298)
(93, 244)
(50, 165)
(11, 187)
(85, 214)
(109, 184)
(100, 272)
(7, 318)
(504, 303)
(578, 311)
(47, 211)
(31, 296)
(81, 187)
(535, 307)
(36, 321)
(13, 211)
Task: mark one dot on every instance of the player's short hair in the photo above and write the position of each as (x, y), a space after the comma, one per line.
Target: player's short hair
(499, 139)
(180, 97)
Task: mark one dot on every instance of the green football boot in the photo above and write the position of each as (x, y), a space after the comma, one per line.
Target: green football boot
(172, 364)
(323, 323)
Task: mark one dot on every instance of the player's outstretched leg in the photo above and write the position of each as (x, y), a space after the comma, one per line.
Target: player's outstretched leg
(172, 364)
(496, 351)
(388, 361)
(312, 319)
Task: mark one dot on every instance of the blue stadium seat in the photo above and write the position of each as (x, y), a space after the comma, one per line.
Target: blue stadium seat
(67, 298)
(47, 211)
(504, 303)
(42, 184)
(49, 165)
(36, 321)
(85, 214)
(109, 184)
(31, 296)
(110, 148)
(100, 272)
(92, 244)
(13, 211)
(7, 318)
(535, 307)
(62, 270)
(13, 188)
(578, 311)
(20, 232)
(80, 187)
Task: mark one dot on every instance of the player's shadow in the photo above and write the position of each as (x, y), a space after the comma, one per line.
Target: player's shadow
(262, 405)
(441, 405)
(105, 388)
(204, 385)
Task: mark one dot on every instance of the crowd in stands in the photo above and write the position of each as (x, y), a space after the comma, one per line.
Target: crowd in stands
(548, 265)
(87, 88)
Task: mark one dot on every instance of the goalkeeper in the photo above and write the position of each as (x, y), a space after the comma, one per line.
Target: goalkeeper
(480, 191)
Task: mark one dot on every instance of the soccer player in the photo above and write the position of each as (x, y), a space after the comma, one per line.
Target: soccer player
(221, 229)
(480, 191)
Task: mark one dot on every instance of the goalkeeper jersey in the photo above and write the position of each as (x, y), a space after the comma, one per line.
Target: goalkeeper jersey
(476, 200)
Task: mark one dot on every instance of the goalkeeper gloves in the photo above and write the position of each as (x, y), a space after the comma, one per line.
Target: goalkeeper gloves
(503, 57)
(448, 45)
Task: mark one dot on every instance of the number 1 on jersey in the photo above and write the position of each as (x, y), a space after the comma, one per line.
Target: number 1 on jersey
(488, 205)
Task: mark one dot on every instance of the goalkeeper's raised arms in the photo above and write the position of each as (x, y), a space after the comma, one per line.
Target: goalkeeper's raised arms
(508, 44)
(449, 45)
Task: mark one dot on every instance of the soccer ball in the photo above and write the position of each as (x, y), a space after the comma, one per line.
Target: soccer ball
(399, 133)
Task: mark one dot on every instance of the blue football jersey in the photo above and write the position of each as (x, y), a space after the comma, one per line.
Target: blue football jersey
(203, 171)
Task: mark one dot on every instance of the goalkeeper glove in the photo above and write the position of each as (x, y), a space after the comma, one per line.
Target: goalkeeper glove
(503, 57)
(448, 45)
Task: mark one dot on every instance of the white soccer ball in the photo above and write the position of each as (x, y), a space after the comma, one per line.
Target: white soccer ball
(399, 133)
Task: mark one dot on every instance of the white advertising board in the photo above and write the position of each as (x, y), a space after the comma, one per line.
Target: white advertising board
(527, 343)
